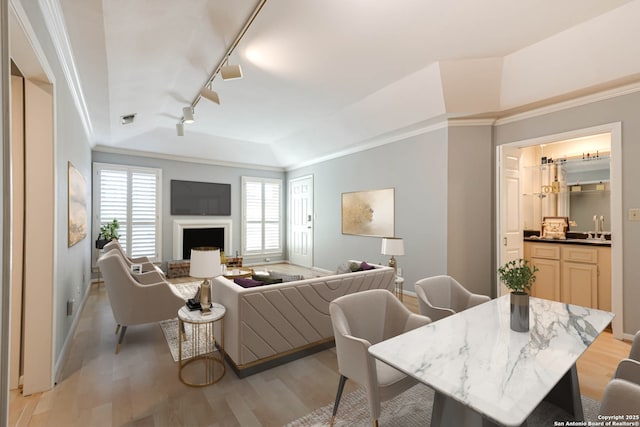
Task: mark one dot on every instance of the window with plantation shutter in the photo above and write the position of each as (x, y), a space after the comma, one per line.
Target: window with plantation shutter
(130, 195)
(262, 216)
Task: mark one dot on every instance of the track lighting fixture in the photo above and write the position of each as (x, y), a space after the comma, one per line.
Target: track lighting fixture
(231, 72)
(187, 115)
(210, 94)
(180, 129)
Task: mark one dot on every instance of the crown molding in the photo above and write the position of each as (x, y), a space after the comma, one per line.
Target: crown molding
(54, 21)
(187, 159)
(572, 103)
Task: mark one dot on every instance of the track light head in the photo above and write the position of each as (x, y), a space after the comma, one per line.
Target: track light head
(209, 94)
(180, 129)
(187, 115)
(231, 72)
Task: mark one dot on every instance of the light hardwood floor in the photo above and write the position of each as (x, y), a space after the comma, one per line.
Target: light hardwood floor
(140, 386)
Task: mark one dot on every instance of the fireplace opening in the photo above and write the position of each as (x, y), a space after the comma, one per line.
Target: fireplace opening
(194, 237)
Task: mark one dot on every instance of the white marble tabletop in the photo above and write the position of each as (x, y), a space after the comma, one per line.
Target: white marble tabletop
(475, 358)
(196, 316)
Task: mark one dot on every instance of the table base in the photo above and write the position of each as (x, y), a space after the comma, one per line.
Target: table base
(565, 394)
(204, 367)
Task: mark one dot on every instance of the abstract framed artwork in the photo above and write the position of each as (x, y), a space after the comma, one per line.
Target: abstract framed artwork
(77, 206)
(368, 213)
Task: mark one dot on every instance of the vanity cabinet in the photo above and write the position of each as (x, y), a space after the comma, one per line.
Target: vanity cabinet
(573, 274)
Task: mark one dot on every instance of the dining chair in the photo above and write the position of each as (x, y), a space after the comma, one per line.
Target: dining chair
(442, 296)
(360, 320)
(133, 303)
(622, 394)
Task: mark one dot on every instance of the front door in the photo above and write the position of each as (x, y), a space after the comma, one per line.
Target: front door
(301, 221)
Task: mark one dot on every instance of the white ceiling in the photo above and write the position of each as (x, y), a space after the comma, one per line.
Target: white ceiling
(323, 77)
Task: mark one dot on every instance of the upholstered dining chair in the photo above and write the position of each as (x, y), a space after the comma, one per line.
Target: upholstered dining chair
(622, 394)
(133, 303)
(442, 296)
(360, 320)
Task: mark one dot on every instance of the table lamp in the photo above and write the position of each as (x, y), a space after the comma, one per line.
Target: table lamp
(392, 246)
(205, 264)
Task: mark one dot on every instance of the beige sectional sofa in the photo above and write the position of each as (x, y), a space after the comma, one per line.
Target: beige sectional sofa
(268, 325)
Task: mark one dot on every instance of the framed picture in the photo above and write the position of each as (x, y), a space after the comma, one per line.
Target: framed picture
(368, 213)
(77, 209)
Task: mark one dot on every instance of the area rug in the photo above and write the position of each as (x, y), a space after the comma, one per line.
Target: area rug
(170, 327)
(413, 408)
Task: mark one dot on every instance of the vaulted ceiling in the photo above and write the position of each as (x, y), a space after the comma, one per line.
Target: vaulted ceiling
(327, 77)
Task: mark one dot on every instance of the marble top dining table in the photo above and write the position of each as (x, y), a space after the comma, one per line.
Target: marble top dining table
(474, 359)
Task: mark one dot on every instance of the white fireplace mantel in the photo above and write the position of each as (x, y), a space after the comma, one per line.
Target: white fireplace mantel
(180, 224)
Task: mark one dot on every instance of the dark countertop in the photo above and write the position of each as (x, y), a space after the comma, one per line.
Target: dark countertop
(569, 241)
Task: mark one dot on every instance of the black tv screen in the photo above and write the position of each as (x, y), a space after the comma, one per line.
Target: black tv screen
(200, 198)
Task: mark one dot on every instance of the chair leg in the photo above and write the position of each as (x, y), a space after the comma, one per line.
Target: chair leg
(122, 332)
(341, 383)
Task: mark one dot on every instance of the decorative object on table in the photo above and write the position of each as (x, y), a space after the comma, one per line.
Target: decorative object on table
(555, 227)
(368, 213)
(518, 277)
(392, 246)
(77, 213)
(205, 264)
(108, 232)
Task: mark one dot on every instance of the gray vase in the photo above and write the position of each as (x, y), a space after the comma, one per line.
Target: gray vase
(520, 311)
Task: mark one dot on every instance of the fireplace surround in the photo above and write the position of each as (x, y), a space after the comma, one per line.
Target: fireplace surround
(180, 225)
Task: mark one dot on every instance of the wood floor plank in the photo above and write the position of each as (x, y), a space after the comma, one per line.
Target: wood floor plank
(140, 387)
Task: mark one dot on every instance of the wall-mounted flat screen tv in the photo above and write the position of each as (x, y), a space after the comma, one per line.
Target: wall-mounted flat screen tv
(200, 198)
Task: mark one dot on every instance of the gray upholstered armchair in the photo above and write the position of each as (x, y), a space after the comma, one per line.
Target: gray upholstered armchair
(133, 303)
(359, 321)
(442, 296)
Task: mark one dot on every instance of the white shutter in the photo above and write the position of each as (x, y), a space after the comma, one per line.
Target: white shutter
(131, 195)
(261, 204)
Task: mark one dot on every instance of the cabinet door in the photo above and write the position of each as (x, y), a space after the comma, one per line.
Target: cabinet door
(547, 284)
(580, 284)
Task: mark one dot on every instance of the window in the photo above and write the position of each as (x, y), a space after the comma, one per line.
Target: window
(132, 196)
(261, 215)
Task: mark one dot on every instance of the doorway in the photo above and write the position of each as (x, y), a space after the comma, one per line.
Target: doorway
(301, 221)
(507, 203)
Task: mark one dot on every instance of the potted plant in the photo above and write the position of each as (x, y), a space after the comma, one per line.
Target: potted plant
(108, 232)
(518, 277)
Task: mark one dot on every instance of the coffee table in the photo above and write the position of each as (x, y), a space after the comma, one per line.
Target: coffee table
(484, 373)
(236, 273)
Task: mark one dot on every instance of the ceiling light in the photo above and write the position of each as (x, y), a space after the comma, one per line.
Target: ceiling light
(231, 72)
(187, 115)
(209, 94)
(180, 129)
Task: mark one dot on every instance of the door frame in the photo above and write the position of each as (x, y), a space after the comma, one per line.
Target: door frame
(617, 213)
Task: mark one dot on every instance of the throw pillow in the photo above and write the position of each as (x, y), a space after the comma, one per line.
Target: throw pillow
(343, 268)
(364, 266)
(266, 279)
(285, 277)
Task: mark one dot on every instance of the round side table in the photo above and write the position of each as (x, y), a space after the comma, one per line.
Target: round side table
(399, 287)
(201, 362)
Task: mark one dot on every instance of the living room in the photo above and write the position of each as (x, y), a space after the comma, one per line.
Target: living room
(443, 170)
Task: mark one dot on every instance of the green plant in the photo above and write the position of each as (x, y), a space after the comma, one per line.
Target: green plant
(517, 275)
(109, 231)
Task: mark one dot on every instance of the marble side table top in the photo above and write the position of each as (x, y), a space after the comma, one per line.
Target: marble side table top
(196, 316)
(475, 358)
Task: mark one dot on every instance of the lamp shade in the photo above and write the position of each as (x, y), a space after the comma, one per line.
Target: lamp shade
(392, 246)
(205, 263)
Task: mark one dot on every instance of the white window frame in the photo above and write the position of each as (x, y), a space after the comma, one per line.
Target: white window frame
(97, 167)
(262, 251)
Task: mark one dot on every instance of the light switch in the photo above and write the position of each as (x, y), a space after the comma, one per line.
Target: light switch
(634, 214)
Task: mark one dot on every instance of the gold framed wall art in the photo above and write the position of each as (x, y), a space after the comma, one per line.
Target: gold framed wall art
(368, 213)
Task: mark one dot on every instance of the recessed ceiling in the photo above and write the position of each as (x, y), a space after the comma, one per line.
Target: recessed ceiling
(319, 76)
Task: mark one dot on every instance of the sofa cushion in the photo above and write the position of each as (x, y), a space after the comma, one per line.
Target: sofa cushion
(245, 282)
